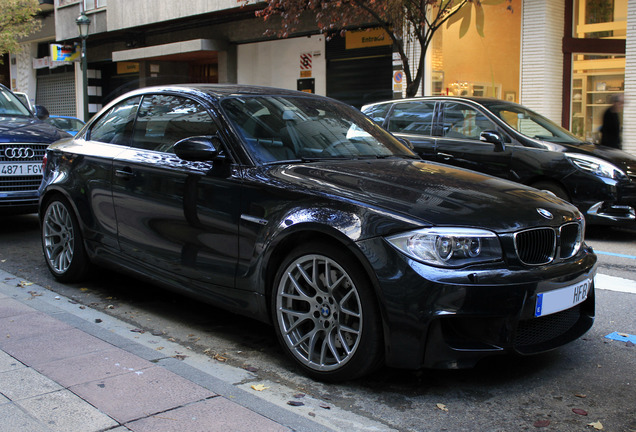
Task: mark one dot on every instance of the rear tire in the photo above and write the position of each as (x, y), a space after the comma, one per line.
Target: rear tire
(325, 314)
(62, 242)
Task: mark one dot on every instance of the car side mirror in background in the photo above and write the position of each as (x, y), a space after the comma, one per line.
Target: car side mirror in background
(493, 137)
(41, 112)
(407, 143)
(198, 148)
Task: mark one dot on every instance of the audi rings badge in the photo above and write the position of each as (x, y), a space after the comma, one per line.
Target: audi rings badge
(19, 153)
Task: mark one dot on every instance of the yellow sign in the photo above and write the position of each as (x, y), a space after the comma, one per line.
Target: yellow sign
(127, 67)
(367, 38)
(305, 74)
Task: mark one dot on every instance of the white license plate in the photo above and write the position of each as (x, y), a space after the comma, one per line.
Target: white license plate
(20, 169)
(561, 299)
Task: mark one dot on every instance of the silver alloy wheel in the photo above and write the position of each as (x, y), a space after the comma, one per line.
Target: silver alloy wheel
(58, 237)
(319, 312)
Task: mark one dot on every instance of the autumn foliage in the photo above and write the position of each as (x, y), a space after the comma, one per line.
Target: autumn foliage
(403, 20)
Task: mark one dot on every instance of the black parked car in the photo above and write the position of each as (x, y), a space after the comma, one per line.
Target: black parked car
(507, 140)
(23, 140)
(298, 210)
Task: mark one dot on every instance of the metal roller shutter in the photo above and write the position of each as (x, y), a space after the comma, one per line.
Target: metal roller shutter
(57, 93)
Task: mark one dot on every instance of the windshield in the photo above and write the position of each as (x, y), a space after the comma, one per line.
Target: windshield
(532, 125)
(10, 105)
(284, 128)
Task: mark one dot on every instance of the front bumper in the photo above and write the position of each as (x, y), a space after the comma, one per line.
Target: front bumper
(442, 318)
(605, 201)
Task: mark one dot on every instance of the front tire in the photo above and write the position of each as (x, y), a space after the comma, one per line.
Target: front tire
(62, 242)
(325, 314)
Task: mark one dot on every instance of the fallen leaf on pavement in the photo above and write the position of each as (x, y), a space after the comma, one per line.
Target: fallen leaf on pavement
(299, 395)
(259, 387)
(542, 423)
(442, 407)
(579, 411)
(325, 406)
(295, 403)
(582, 396)
(251, 369)
(219, 357)
(180, 356)
(596, 425)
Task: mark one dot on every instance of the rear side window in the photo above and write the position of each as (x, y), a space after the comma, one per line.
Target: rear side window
(165, 119)
(412, 117)
(116, 125)
(463, 121)
(377, 112)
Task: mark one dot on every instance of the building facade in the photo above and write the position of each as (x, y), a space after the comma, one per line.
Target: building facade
(562, 59)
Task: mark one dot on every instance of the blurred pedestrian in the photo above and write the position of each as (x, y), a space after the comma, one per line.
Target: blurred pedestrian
(611, 129)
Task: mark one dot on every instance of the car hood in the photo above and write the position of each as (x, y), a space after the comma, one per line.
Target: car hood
(27, 129)
(429, 193)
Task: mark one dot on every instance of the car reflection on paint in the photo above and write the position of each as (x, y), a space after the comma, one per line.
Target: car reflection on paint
(297, 210)
(510, 141)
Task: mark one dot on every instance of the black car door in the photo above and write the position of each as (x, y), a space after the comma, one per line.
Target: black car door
(172, 215)
(413, 120)
(460, 127)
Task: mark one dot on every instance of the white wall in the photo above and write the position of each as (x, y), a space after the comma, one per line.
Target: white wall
(277, 63)
(542, 57)
(629, 111)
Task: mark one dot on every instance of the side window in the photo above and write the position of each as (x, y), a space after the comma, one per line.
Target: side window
(165, 119)
(462, 121)
(116, 125)
(412, 117)
(377, 112)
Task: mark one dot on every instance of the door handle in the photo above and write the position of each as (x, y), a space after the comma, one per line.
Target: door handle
(125, 172)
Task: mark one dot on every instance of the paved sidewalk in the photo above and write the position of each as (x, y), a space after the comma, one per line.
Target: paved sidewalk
(61, 372)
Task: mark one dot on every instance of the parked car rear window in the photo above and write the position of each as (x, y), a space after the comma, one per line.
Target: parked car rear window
(463, 121)
(412, 117)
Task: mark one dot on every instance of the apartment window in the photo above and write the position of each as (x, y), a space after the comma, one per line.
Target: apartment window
(94, 4)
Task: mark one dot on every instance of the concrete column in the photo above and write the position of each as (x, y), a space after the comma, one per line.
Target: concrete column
(542, 57)
(629, 111)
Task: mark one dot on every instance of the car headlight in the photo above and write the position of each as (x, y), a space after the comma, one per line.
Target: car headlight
(596, 166)
(449, 247)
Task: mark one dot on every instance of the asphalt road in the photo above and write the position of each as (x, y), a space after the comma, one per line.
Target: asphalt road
(593, 375)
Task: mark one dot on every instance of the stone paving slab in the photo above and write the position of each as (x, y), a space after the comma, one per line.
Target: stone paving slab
(62, 411)
(8, 363)
(10, 307)
(28, 325)
(56, 345)
(16, 420)
(212, 415)
(153, 391)
(25, 383)
(94, 366)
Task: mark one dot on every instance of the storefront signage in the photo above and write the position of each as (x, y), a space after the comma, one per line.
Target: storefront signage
(65, 53)
(127, 67)
(367, 38)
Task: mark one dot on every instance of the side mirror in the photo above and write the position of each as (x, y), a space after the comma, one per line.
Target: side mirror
(407, 143)
(41, 112)
(199, 148)
(493, 137)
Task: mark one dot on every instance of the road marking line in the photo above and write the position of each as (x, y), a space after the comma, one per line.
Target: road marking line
(615, 254)
(613, 283)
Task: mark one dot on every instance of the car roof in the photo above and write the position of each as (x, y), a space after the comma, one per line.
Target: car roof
(485, 101)
(218, 91)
